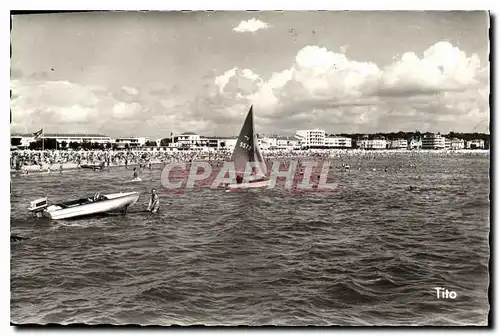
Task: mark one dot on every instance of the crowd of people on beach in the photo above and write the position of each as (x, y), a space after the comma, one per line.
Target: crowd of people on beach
(51, 158)
(143, 158)
(60, 159)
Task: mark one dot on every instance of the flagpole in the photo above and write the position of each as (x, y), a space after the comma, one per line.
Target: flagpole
(43, 139)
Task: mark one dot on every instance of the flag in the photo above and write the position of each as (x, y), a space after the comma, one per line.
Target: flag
(38, 133)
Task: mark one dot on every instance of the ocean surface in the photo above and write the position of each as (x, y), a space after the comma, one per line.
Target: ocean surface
(370, 253)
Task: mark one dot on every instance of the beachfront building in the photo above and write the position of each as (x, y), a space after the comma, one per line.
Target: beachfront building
(287, 143)
(219, 143)
(415, 143)
(447, 143)
(210, 143)
(398, 144)
(475, 144)
(79, 138)
(21, 140)
(372, 143)
(457, 144)
(338, 142)
(311, 138)
(433, 141)
(267, 142)
(376, 143)
(25, 139)
(192, 141)
(130, 142)
(186, 140)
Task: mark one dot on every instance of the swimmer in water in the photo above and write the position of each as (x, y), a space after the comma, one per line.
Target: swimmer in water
(239, 179)
(154, 202)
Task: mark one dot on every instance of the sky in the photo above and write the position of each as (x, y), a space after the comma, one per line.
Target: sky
(153, 73)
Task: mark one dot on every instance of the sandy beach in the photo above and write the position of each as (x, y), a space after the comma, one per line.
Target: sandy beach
(65, 167)
(333, 154)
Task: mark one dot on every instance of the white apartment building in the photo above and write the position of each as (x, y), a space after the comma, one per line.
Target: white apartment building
(130, 142)
(287, 143)
(447, 143)
(475, 144)
(366, 143)
(218, 143)
(311, 138)
(187, 139)
(338, 142)
(193, 141)
(457, 144)
(433, 141)
(398, 144)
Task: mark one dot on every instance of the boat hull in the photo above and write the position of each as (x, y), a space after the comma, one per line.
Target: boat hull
(113, 202)
(137, 179)
(252, 185)
(90, 166)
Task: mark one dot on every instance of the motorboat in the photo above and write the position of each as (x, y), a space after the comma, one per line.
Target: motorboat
(84, 206)
(94, 166)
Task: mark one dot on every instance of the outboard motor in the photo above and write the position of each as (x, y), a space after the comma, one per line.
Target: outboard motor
(38, 206)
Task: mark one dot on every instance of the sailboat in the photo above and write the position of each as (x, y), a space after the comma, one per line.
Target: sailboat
(247, 151)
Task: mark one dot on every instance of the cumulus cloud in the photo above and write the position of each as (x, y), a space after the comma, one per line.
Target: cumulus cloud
(223, 79)
(122, 110)
(442, 67)
(441, 89)
(130, 90)
(58, 93)
(62, 106)
(72, 114)
(251, 25)
(414, 90)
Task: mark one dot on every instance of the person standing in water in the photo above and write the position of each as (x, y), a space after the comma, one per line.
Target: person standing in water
(136, 174)
(239, 179)
(154, 202)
